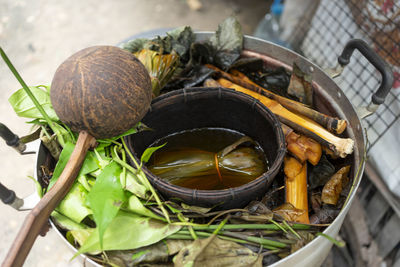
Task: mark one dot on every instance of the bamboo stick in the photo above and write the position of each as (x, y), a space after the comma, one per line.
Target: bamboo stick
(332, 124)
(341, 146)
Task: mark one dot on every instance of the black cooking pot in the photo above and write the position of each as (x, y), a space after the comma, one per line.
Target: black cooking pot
(217, 108)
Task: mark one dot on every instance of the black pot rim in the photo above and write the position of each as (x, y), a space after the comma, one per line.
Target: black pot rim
(256, 104)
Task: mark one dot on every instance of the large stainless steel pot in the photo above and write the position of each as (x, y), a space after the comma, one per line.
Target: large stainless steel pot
(329, 99)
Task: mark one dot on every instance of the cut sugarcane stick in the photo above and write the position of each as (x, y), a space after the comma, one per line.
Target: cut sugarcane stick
(302, 147)
(332, 124)
(341, 146)
(296, 186)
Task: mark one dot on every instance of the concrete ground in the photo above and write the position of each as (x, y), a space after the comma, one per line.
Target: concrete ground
(38, 35)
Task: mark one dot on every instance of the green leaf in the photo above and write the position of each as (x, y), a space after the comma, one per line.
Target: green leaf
(24, 106)
(149, 151)
(89, 164)
(129, 231)
(136, 206)
(73, 205)
(106, 197)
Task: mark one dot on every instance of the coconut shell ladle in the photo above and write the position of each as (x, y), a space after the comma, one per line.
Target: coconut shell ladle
(100, 92)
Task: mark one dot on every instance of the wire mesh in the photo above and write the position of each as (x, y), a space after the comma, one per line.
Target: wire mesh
(322, 36)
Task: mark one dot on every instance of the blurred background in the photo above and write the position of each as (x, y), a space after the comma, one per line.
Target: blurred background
(38, 35)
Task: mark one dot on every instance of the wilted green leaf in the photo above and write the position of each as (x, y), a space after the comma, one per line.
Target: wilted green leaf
(228, 42)
(229, 35)
(106, 197)
(305, 238)
(24, 107)
(213, 251)
(129, 231)
(200, 210)
(181, 39)
(73, 205)
(257, 212)
(89, 164)
(139, 254)
(84, 181)
(133, 186)
(300, 85)
(156, 254)
(320, 173)
(64, 133)
(81, 235)
(66, 223)
(178, 40)
(135, 45)
(275, 79)
(136, 206)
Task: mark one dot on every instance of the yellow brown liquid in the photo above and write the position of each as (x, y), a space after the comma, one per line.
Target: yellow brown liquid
(206, 142)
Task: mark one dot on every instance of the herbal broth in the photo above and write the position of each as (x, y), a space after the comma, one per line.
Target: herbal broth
(192, 159)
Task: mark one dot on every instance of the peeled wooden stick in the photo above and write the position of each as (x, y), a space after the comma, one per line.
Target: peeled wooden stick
(341, 146)
(332, 124)
(296, 186)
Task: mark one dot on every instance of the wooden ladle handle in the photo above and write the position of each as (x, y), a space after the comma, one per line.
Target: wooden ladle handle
(39, 215)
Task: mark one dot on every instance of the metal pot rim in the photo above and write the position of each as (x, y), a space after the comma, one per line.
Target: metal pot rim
(337, 99)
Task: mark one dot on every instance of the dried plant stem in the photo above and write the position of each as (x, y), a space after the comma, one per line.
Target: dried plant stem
(253, 227)
(235, 237)
(332, 124)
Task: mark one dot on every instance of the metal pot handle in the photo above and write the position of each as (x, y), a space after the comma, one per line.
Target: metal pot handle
(8, 196)
(11, 139)
(384, 69)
